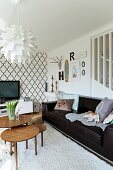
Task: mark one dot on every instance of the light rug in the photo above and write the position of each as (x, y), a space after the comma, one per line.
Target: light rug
(58, 153)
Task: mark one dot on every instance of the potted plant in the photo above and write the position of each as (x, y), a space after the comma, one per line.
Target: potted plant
(10, 106)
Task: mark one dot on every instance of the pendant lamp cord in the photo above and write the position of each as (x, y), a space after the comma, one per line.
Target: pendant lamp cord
(18, 13)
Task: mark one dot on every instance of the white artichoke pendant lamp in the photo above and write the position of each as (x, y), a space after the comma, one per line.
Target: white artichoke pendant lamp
(17, 45)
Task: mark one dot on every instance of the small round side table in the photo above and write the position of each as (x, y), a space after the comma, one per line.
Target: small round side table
(18, 134)
(41, 128)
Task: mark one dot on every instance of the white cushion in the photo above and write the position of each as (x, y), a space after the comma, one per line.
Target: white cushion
(24, 107)
(109, 118)
(50, 96)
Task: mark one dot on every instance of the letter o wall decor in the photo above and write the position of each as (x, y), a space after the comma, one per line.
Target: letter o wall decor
(83, 64)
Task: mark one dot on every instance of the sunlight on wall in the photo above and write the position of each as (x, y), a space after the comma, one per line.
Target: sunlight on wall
(2, 24)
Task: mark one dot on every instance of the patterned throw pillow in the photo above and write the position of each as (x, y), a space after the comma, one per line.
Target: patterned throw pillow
(104, 108)
(72, 96)
(64, 104)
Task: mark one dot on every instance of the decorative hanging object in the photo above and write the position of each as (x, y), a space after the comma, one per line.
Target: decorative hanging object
(58, 61)
(66, 70)
(83, 70)
(17, 45)
(56, 85)
(52, 86)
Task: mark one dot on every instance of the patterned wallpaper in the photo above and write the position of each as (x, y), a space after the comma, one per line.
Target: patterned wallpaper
(32, 76)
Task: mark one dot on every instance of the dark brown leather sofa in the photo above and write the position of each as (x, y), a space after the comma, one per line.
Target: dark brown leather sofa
(93, 138)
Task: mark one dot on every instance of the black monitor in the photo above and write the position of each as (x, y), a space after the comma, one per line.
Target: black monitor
(10, 90)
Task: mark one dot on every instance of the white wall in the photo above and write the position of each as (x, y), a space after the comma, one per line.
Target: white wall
(81, 86)
(86, 85)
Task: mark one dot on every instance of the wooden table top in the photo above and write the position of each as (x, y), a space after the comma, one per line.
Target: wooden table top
(6, 123)
(20, 133)
(41, 127)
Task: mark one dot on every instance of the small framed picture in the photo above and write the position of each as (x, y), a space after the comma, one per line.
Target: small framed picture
(75, 71)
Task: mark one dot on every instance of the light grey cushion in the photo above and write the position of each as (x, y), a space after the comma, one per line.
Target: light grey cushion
(72, 96)
(104, 108)
(59, 95)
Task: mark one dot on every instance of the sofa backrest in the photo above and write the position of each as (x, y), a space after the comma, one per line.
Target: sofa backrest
(87, 104)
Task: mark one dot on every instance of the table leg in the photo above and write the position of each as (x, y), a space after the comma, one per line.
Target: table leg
(11, 148)
(26, 144)
(16, 156)
(26, 140)
(41, 138)
(35, 145)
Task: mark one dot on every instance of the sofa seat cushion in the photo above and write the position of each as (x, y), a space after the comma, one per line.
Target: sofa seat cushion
(89, 133)
(56, 115)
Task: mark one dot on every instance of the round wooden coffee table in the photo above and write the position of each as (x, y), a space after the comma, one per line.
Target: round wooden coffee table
(23, 119)
(41, 128)
(18, 134)
(6, 123)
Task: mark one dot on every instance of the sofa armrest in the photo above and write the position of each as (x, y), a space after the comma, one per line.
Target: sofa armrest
(108, 140)
(48, 106)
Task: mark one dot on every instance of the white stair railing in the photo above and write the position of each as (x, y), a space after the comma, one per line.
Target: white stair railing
(102, 59)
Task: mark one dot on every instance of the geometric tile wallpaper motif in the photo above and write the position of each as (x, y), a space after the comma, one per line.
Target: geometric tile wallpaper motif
(32, 76)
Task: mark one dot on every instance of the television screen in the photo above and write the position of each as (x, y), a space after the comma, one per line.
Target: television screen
(10, 90)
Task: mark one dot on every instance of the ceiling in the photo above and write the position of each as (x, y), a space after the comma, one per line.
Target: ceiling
(57, 22)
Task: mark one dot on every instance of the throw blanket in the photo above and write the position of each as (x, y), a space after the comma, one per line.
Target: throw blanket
(80, 117)
(91, 116)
